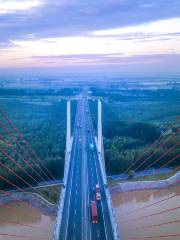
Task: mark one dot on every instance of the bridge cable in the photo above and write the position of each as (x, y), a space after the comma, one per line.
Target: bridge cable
(17, 164)
(22, 148)
(150, 215)
(158, 159)
(27, 144)
(155, 237)
(19, 177)
(150, 147)
(22, 236)
(159, 190)
(3, 220)
(154, 225)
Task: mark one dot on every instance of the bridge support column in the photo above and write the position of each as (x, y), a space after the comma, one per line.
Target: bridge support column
(99, 126)
(100, 146)
(66, 169)
(68, 136)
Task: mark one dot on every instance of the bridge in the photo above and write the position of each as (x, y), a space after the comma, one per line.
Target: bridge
(84, 168)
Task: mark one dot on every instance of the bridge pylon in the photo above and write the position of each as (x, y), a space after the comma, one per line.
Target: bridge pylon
(100, 148)
(100, 145)
(69, 141)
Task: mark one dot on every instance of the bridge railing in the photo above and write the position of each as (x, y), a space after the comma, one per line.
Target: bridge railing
(114, 224)
(62, 194)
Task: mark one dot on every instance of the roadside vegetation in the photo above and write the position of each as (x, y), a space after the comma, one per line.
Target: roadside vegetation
(51, 193)
(132, 121)
(41, 118)
(156, 177)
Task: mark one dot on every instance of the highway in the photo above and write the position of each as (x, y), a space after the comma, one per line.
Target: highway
(84, 173)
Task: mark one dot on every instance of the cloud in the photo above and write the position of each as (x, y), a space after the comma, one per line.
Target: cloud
(75, 18)
(11, 6)
(89, 28)
(166, 26)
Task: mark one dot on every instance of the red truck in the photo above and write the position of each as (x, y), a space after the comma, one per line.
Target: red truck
(98, 195)
(94, 212)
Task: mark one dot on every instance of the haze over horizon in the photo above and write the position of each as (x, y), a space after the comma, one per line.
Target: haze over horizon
(111, 35)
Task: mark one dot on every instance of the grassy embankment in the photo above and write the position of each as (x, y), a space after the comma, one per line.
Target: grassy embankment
(155, 177)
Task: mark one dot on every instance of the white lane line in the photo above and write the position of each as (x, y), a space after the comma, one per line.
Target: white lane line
(89, 211)
(86, 175)
(75, 212)
(100, 201)
(98, 183)
(74, 225)
(98, 233)
(75, 139)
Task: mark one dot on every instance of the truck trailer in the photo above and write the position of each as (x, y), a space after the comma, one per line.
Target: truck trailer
(94, 212)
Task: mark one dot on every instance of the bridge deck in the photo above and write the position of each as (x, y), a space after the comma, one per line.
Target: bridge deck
(84, 173)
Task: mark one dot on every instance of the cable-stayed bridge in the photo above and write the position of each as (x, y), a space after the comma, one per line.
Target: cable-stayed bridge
(84, 170)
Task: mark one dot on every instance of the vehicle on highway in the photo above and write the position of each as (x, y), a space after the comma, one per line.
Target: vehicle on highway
(98, 194)
(94, 212)
(91, 146)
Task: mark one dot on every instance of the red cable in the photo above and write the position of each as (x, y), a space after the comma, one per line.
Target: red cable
(27, 154)
(21, 236)
(17, 164)
(150, 215)
(9, 194)
(16, 210)
(146, 206)
(152, 204)
(154, 225)
(149, 148)
(32, 150)
(27, 144)
(174, 158)
(19, 177)
(155, 237)
(157, 150)
(153, 162)
(21, 224)
(14, 185)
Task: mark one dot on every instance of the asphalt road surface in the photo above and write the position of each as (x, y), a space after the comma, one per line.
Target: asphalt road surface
(84, 173)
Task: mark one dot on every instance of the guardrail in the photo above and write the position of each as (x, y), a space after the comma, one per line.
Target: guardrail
(62, 194)
(114, 224)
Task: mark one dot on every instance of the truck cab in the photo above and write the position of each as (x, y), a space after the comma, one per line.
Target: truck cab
(98, 194)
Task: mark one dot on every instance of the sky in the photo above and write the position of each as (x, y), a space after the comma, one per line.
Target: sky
(121, 35)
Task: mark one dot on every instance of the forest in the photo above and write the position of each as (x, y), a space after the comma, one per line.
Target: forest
(41, 118)
(132, 121)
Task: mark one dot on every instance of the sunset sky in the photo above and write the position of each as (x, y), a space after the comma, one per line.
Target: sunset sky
(114, 34)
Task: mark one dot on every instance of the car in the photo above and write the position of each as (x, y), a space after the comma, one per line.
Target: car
(98, 194)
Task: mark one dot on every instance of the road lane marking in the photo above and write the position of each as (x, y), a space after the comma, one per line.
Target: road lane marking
(94, 157)
(72, 175)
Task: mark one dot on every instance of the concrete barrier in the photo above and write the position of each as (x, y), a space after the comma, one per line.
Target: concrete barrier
(114, 224)
(62, 194)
